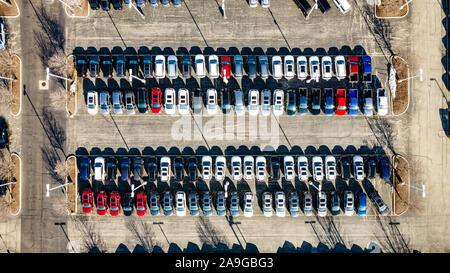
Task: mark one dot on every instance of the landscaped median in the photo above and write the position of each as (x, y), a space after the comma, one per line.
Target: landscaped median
(9, 11)
(16, 189)
(16, 88)
(401, 182)
(81, 10)
(71, 165)
(401, 101)
(391, 9)
(71, 98)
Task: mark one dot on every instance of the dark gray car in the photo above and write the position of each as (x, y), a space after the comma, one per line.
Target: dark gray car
(186, 66)
(264, 67)
(251, 61)
(238, 63)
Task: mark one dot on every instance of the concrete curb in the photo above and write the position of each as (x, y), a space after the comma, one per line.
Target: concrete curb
(18, 12)
(20, 184)
(71, 115)
(409, 189)
(75, 183)
(21, 88)
(397, 17)
(409, 87)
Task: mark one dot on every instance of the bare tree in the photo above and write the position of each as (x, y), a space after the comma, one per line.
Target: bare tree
(143, 233)
(7, 68)
(6, 166)
(58, 99)
(208, 234)
(383, 131)
(58, 63)
(61, 170)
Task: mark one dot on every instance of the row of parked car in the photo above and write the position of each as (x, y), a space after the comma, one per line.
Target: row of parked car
(247, 168)
(329, 101)
(117, 4)
(270, 202)
(287, 66)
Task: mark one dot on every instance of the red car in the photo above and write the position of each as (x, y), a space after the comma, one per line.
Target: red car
(341, 102)
(101, 203)
(141, 208)
(353, 64)
(86, 200)
(226, 67)
(156, 100)
(114, 203)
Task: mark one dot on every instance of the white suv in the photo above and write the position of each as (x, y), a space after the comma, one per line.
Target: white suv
(330, 167)
(180, 203)
(358, 168)
(169, 101)
(260, 168)
(236, 164)
(99, 168)
(248, 204)
(248, 167)
(165, 168)
(92, 102)
(317, 165)
(253, 102)
(339, 65)
(289, 172)
(278, 98)
(183, 101)
(200, 66)
(219, 174)
(302, 168)
(206, 167)
(160, 66)
(280, 204)
(211, 101)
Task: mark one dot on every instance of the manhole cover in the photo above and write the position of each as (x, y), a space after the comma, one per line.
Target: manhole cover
(43, 85)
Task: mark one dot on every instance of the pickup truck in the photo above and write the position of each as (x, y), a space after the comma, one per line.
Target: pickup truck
(303, 101)
(316, 99)
(353, 74)
(382, 101)
(367, 69)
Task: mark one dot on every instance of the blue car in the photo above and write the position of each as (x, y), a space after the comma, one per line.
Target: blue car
(125, 169)
(303, 102)
(291, 107)
(206, 204)
(153, 203)
(329, 102)
(120, 66)
(294, 207)
(385, 167)
(221, 207)
(353, 108)
(367, 69)
(234, 204)
(85, 168)
(362, 206)
(193, 204)
(167, 204)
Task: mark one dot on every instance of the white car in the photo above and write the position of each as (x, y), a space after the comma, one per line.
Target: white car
(211, 101)
(236, 163)
(314, 68)
(265, 102)
(317, 166)
(239, 107)
(321, 204)
(330, 168)
(206, 167)
(289, 67)
(117, 102)
(248, 167)
(169, 101)
(172, 67)
(129, 103)
(99, 168)
(278, 104)
(180, 203)
(253, 102)
(219, 174)
(92, 102)
(358, 168)
(200, 66)
(183, 101)
(302, 168)
(265, 3)
(326, 68)
(349, 204)
(160, 66)
(260, 168)
(339, 65)
(165, 169)
(248, 204)
(289, 171)
(382, 102)
(302, 68)
(267, 204)
(342, 5)
(277, 68)
(213, 61)
(280, 204)
(104, 102)
(253, 3)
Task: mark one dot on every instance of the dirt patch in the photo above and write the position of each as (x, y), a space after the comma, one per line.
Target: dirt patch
(401, 192)
(15, 188)
(12, 10)
(71, 96)
(15, 103)
(81, 11)
(71, 188)
(401, 100)
(391, 8)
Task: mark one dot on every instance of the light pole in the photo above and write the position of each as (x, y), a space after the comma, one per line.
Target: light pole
(130, 4)
(47, 194)
(416, 188)
(6, 3)
(317, 188)
(407, 2)
(56, 76)
(9, 79)
(313, 79)
(316, 6)
(420, 75)
(133, 189)
(6, 184)
(3, 38)
(133, 76)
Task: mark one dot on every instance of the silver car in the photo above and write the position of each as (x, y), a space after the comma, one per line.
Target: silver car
(238, 66)
(129, 103)
(172, 67)
(264, 66)
(265, 3)
(117, 102)
(104, 102)
(154, 3)
(265, 102)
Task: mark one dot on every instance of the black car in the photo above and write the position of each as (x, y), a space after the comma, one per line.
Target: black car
(251, 62)
(315, 102)
(111, 168)
(120, 65)
(152, 169)
(137, 168)
(142, 102)
(81, 65)
(226, 102)
(105, 4)
(94, 4)
(335, 204)
(371, 167)
(275, 168)
(125, 169)
(107, 67)
(127, 204)
(93, 66)
(3, 135)
(133, 65)
(186, 66)
(192, 169)
(117, 4)
(147, 65)
(178, 169)
(345, 168)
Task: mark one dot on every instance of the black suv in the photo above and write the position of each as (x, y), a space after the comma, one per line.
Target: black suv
(127, 204)
(371, 167)
(152, 169)
(111, 168)
(275, 168)
(137, 168)
(107, 67)
(81, 65)
(178, 169)
(345, 168)
(192, 169)
(94, 4)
